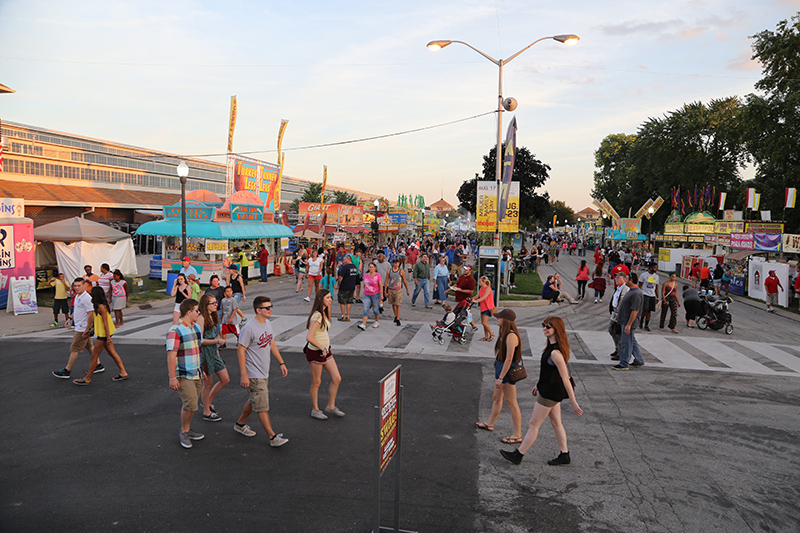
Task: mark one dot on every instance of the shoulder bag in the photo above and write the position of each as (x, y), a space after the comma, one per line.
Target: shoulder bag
(516, 373)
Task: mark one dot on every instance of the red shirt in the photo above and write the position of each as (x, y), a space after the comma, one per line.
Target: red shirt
(411, 255)
(705, 273)
(465, 282)
(695, 273)
(771, 284)
(263, 256)
(598, 257)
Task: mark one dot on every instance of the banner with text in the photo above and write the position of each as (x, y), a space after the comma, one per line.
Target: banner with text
(486, 210)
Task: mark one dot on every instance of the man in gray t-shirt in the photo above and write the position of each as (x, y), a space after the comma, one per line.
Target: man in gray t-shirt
(256, 344)
(649, 285)
(628, 311)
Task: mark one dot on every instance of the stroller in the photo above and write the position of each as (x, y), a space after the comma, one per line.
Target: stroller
(714, 313)
(456, 326)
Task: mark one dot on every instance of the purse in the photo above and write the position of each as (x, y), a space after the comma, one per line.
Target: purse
(516, 373)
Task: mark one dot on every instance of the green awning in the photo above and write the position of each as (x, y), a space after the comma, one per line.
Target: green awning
(213, 230)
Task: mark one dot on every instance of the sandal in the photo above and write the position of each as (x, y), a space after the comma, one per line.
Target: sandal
(484, 426)
(511, 440)
(119, 378)
(81, 381)
(341, 319)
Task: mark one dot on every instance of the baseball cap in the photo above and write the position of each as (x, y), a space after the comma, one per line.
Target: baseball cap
(186, 259)
(506, 314)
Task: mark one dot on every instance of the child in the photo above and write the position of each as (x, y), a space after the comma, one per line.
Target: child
(61, 300)
(73, 292)
(119, 297)
(230, 308)
(328, 281)
(448, 317)
(195, 287)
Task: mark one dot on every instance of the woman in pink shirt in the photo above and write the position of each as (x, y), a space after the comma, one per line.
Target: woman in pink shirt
(373, 288)
(582, 278)
(486, 300)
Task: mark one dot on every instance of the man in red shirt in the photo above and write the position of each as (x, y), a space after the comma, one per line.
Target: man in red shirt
(705, 277)
(463, 289)
(263, 259)
(694, 274)
(411, 256)
(771, 284)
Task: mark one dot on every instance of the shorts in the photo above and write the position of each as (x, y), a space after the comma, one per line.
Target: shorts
(394, 296)
(692, 308)
(212, 363)
(718, 283)
(541, 400)
(488, 313)
(259, 394)
(177, 308)
(315, 356)
(649, 303)
(79, 342)
(61, 306)
(345, 297)
(498, 367)
(772, 298)
(705, 283)
(315, 278)
(118, 303)
(103, 339)
(189, 391)
(229, 328)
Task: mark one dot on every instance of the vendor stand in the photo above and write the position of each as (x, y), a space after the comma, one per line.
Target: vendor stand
(17, 281)
(213, 233)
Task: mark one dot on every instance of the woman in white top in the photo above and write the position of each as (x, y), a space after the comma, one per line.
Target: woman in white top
(319, 356)
(314, 273)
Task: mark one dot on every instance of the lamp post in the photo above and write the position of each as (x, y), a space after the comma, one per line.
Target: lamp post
(650, 212)
(568, 39)
(377, 204)
(183, 172)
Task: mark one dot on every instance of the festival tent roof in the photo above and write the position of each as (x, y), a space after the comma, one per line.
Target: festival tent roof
(214, 230)
(78, 229)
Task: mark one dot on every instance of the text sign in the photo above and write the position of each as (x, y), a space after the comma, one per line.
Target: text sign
(6, 247)
(12, 208)
(192, 213)
(247, 212)
(390, 386)
(216, 246)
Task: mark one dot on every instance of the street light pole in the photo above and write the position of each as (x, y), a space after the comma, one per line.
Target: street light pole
(376, 203)
(650, 212)
(183, 172)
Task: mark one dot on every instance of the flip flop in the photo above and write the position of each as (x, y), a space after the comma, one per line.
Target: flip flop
(484, 426)
(119, 378)
(483, 339)
(80, 381)
(511, 440)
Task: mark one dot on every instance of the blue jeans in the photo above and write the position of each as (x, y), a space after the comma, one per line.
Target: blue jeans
(627, 347)
(422, 285)
(263, 272)
(373, 301)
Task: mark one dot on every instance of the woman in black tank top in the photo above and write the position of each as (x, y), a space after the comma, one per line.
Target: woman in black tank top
(553, 386)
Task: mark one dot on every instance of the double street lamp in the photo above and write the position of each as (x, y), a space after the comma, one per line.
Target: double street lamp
(377, 204)
(183, 172)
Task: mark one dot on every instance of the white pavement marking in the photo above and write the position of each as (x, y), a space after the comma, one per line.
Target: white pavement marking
(774, 353)
(599, 343)
(669, 354)
(736, 360)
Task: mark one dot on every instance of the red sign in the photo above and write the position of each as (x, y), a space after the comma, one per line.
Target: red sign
(390, 387)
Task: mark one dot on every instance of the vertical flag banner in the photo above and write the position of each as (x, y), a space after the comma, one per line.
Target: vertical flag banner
(232, 123)
(486, 208)
(281, 131)
(751, 198)
(722, 197)
(1, 145)
(757, 201)
(324, 184)
(508, 163)
(791, 192)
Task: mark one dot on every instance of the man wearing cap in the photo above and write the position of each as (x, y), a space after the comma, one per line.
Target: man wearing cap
(649, 285)
(771, 284)
(614, 329)
(628, 311)
(188, 268)
(463, 289)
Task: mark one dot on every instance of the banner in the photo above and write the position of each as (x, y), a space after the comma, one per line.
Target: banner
(757, 202)
(281, 131)
(1, 146)
(12, 207)
(791, 192)
(486, 213)
(791, 243)
(726, 227)
(22, 296)
(258, 177)
(642, 210)
(631, 225)
(763, 227)
(657, 203)
(742, 241)
(768, 242)
(324, 183)
(389, 437)
(217, 246)
(336, 214)
(232, 123)
(722, 197)
(508, 164)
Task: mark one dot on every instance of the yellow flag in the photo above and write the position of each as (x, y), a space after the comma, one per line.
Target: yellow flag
(232, 123)
(324, 184)
(281, 131)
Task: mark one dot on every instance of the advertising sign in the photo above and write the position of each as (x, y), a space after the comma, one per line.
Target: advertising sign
(664, 254)
(643, 210)
(369, 205)
(657, 203)
(192, 212)
(12, 207)
(339, 236)
(390, 386)
(245, 174)
(791, 243)
(487, 210)
(726, 227)
(284, 243)
(7, 247)
(674, 227)
(742, 241)
(768, 242)
(22, 297)
(216, 246)
(247, 212)
(699, 228)
(628, 225)
(763, 227)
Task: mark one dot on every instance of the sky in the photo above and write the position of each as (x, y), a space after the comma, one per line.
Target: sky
(160, 75)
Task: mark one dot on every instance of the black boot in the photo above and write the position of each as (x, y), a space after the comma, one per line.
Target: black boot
(515, 457)
(562, 459)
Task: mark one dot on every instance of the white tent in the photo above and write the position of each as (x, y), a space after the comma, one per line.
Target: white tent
(80, 242)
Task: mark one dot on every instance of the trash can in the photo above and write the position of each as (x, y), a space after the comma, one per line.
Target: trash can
(155, 267)
(172, 275)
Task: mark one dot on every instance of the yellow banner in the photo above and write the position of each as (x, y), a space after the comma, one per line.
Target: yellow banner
(510, 222)
(642, 210)
(232, 123)
(281, 131)
(486, 208)
(656, 205)
(324, 184)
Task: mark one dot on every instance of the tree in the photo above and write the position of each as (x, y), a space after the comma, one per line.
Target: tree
(528, 171)
(562, 212)
(612, 180)
(313, 193)
(772, 121)
(451, 215)
(344, 198)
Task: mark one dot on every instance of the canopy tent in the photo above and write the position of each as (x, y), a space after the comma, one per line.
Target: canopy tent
(214, 230)
(738, 255)
(78, 229)
(308, 234)
(78, 242)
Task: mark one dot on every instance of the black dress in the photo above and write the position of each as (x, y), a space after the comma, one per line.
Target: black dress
(550, 385)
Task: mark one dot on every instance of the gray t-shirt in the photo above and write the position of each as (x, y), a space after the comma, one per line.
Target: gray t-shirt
(383, 268)
(649, 283)
(229, 305)
(394, 280)
(632, 301)
(257, 339)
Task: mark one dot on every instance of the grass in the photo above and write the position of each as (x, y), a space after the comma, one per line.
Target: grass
(44, 297)
(529, 284)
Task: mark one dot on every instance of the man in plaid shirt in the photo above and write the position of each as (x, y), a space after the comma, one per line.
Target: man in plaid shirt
(183, 366)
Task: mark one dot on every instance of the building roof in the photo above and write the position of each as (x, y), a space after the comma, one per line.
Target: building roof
(589, 211)
(76, 196)
(440, 205)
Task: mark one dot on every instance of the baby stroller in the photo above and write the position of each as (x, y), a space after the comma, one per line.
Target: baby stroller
(455, 326)
(714, 313)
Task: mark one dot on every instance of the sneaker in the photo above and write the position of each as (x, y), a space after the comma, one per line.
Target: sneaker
(362, 327)
(396, 321)
(277, 440)
(620, 366)
(595, 300)
(647, 328)
(562, 459)
(376, 325)
(600, 300)
(347, 319)
(54, 325)
(243, 322)
(307, 299)
(637, 364)
(63, 373)
(319, 415)
(428, 307)
(615, 358)
(184, 438)
(100, 368)
(194, 435)
(515, 457)
(213, 417)
(335, 411)
(574, 302)
(474, 329)
(413, 304)
(244, 430)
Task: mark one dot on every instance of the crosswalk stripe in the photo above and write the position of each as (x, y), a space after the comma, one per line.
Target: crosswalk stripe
(776, 353)
(757, 357)
(670, 354)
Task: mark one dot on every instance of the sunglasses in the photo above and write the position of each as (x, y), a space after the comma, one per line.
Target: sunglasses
(547, 326)
(268, 307)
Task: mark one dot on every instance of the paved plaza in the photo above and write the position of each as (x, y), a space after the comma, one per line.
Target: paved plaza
(702, 438)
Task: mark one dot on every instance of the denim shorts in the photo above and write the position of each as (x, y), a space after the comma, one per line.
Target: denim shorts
(498, 367)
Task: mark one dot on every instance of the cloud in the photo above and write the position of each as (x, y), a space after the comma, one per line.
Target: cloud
(743, 61)
(634, 26)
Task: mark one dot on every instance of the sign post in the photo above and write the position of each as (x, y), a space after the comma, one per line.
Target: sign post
(388, 426)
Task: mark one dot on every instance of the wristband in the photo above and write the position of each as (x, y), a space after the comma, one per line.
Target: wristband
(283, 364)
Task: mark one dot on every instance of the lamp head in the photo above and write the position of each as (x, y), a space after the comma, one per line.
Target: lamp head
(569, 39)
(183, 169)
(376, 203)
(437, 45)
(651, 210)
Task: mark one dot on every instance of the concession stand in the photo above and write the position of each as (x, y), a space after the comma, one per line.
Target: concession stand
(215, 232)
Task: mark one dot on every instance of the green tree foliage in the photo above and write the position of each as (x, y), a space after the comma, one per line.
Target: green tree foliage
(612, 179)
(529, 171)
(313, 193)
(772, 120)
(563, 212)
(344, 198)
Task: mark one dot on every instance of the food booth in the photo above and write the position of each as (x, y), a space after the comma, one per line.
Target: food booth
(214, 233)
